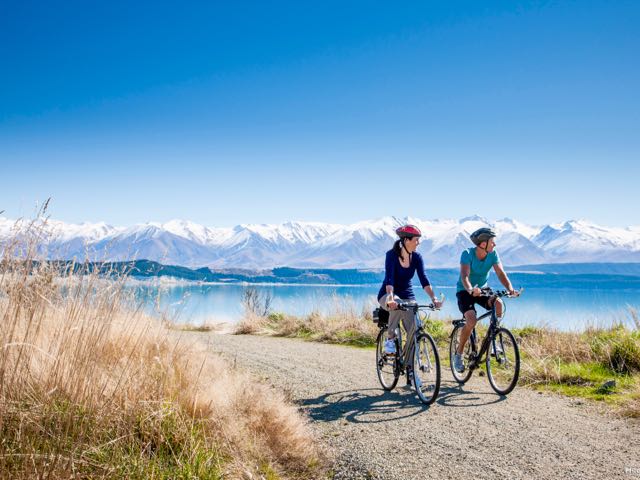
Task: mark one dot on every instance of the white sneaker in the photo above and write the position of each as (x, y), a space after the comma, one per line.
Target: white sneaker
(390, 347)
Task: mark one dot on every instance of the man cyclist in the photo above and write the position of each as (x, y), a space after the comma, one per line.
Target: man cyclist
(402, 262)
(475, 265)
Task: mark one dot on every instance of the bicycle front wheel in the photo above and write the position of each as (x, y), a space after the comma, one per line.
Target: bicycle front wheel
(460, 377)
(386, 365)
(503, 362)
(426, 369)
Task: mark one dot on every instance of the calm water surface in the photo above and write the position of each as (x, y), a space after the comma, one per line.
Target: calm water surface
(566, 309)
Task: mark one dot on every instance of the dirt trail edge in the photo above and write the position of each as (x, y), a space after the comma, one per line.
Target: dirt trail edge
(470, 432)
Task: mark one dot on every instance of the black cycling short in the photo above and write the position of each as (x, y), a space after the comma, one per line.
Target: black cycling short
(467, 302)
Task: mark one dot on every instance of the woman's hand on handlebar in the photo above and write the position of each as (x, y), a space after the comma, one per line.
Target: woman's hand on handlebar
(391, 302)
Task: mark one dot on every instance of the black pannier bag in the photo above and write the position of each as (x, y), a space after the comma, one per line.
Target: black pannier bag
(381, 317)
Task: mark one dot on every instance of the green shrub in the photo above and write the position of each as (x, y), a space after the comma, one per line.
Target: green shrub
(355, 337)
(617, 348)
(437, 329)
(625, 355)
(276, 317)
(528, 331)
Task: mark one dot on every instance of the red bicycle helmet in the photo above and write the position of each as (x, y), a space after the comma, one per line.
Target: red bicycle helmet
(408, 231)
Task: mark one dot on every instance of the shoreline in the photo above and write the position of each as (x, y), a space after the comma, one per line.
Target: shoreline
(173, 281)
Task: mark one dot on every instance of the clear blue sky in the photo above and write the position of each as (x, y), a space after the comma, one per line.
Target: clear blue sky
(236, 112)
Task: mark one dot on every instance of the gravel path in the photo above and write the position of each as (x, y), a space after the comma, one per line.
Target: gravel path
(469, 432)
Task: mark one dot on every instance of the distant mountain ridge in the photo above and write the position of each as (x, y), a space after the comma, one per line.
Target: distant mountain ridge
(332, 246)
(573, 276)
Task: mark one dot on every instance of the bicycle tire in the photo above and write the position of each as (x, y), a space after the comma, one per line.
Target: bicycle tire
(426, 369)
(464, 376)
(386, 365)
(503, 365)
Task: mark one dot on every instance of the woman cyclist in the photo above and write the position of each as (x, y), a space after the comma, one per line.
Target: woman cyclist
(401, 263)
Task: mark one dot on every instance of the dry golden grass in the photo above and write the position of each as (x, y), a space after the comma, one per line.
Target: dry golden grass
(197, 327)
(343, 325)
(91, 387)
(581, 363)
(615, 347)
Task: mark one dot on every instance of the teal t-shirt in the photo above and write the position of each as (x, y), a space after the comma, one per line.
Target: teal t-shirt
(480, 269)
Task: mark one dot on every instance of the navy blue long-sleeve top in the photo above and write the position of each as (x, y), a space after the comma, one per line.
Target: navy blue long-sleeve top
(400, 277)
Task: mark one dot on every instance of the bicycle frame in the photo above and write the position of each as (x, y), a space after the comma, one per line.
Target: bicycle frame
(411, 336)
(498, 349)
(418, 358)
(494, 324)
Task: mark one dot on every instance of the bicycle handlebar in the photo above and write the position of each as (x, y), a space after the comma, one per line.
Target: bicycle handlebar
(503, 293)
(415, 306)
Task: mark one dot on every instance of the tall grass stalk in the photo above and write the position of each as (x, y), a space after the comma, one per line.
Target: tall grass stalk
(92, 387)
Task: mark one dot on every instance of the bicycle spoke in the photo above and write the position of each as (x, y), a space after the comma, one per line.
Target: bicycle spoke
(386, 365)
(426, 369)
(503, 362)
(467, 356)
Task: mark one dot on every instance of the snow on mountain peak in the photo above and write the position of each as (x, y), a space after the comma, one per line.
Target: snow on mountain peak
(187, 229)
(475, 218)
(314, 244)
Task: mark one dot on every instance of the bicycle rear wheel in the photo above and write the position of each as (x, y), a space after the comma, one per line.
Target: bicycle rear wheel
(386, 365)
(460, 377)
(426, 369)
(503, 362)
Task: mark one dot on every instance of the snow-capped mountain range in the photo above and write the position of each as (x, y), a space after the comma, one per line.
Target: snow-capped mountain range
(326, 245)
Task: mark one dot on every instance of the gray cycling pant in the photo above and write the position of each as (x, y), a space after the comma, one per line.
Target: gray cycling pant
(408, 321)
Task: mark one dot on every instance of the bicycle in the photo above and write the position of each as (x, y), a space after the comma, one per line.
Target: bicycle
(425, 363)
(499, 345)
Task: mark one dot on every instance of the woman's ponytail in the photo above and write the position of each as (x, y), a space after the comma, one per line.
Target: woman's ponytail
(397, 247)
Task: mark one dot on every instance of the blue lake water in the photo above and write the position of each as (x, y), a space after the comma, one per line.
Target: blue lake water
(566, 309)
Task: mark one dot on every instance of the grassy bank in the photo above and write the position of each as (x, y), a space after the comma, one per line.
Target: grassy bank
(344, 330)
(91, 387)
(599, 363)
